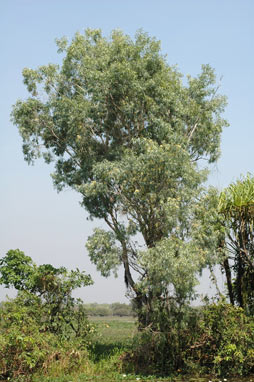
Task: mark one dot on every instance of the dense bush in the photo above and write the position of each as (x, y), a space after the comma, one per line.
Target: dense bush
(50, 290)
(26, 346)
(44, 326)
(158, 348)
(225, 341)
(22, 346)
(217, 339)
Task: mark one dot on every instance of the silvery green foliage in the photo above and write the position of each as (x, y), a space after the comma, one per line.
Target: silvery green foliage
(173, 262)
(104, 252)
(209, 227)
(127, 134)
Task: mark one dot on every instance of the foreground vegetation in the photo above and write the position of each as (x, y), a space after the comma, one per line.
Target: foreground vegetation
(217, 340)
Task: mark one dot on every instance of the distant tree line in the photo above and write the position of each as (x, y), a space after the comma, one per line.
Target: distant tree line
(115, 309)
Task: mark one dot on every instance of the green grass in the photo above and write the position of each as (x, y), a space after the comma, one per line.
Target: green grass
(112, 378)
(114, 335)
(114, 329)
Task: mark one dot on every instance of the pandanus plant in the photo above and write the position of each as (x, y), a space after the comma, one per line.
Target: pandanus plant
(236, 203)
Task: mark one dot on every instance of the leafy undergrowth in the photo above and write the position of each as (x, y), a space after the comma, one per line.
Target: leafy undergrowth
(104, 359)
(219, 342)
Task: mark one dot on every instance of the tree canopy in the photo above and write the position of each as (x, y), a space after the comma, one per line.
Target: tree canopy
(127, 132)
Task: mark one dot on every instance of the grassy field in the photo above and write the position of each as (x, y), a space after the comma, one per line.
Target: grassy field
(112, 329)
(114, 335)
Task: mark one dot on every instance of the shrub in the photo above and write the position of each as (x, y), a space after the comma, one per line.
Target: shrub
(159, 349)
(23, 347)
(225, 341)
(217, 339)
(50, 289)
(26, 344)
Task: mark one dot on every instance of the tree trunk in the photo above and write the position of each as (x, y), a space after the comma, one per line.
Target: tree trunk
(229, 281)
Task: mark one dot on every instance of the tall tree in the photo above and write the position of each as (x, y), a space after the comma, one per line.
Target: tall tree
(236, 204)
(126, 133)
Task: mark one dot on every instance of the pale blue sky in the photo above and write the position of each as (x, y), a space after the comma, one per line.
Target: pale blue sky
(52, 227)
